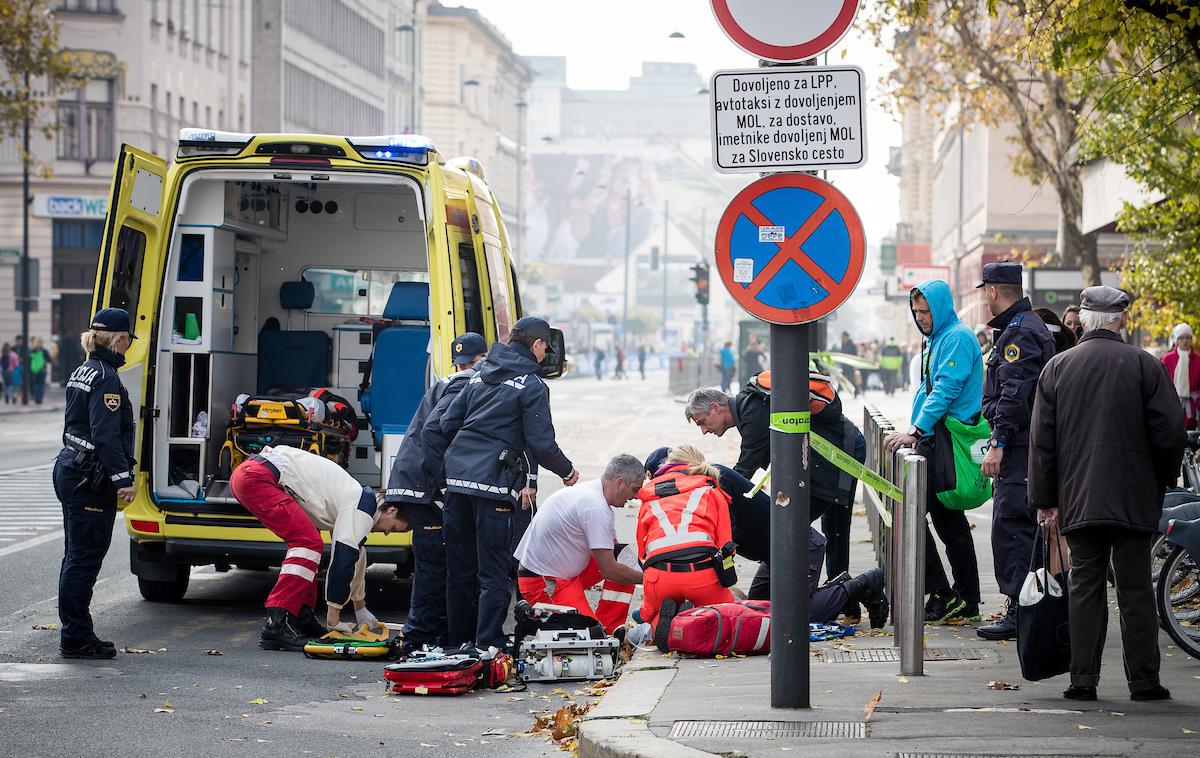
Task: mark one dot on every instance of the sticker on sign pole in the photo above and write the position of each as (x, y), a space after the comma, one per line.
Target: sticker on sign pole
(811, 270)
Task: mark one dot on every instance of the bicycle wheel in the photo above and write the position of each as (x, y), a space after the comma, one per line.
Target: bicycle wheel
(1158, 556)
(1178, 599)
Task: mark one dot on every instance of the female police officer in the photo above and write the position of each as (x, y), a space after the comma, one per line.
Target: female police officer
(94, 469)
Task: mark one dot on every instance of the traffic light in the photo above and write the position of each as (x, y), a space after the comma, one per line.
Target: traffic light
(700, 277)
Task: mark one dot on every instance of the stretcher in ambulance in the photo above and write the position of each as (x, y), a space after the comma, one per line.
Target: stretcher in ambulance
(271, 278)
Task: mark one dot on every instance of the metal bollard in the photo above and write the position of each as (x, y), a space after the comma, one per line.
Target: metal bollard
(896, 576)
(910, 525)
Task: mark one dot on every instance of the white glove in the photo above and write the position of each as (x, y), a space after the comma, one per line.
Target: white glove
(367, 619)
(342, 626)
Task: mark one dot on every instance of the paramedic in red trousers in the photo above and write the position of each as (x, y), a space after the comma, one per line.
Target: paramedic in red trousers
(501, 432)
(571, 546)
(1107, 438)
(295, 493)
(1022, 346)
(951, 384)
(682, 523)
(92, 473)
(416, 481)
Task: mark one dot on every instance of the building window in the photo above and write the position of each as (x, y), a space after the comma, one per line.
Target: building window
(75, 252)
(87, 6)
(85, 122)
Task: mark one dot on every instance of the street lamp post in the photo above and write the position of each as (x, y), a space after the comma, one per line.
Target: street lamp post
(666, 238)
(412, 69)
(521, 108)
(26, 378)
(628, 243)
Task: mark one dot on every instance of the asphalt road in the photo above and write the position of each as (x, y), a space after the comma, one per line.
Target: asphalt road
(50, 707)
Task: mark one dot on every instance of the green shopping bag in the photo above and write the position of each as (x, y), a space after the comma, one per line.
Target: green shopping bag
(958, 451)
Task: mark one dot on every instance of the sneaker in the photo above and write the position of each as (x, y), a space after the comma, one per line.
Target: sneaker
(1004, 628)
(940, 608)
(307, 624)
(970, 612)
(280, 632)
(662, 626)
(94, 650)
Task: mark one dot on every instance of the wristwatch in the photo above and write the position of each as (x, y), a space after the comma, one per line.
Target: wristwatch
(914, 431)
(993, 442)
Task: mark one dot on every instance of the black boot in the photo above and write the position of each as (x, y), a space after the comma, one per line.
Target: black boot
(1003, 629)
(868, 589)
(280, 632)
(662, 625)
(307, 624)
(94, 650)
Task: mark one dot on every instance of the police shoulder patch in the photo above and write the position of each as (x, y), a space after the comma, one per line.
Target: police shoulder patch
(112, 401)
(1012, 352)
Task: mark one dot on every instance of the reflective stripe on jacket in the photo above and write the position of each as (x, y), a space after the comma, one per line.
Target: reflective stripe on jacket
(679, 514)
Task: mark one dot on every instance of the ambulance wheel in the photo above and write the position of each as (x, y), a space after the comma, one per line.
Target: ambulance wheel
(168, 591)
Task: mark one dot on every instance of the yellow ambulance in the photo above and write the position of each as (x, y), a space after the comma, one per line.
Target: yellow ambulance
(282, 266)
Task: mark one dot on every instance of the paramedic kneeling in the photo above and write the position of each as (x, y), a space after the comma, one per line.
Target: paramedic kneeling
(571, 546)
(683, 522)
(295, 493)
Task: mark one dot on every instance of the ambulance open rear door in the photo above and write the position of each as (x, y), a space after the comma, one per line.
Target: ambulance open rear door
(129, 270)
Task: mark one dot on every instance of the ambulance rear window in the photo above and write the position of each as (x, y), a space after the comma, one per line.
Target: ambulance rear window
(127, 271)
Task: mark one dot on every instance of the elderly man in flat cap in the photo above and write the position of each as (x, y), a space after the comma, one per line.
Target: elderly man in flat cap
(1107, 438)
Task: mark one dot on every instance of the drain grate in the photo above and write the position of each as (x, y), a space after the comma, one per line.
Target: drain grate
(769, 729)
(892, 655)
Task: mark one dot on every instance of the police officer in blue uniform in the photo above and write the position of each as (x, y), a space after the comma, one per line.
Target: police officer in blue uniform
(92, 472)
(501, 431)
(417, 481)
(1022, 347)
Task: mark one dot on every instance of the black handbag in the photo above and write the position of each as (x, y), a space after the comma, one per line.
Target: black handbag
(1043, 630)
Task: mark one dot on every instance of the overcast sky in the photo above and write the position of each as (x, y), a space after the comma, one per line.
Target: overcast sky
(606, 41)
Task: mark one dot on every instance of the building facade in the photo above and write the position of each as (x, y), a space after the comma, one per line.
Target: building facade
(149, 67)
(474, 102)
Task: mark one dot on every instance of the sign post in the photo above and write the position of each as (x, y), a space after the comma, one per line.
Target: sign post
(790, 250)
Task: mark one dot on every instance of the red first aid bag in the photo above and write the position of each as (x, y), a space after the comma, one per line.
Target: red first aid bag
(448, 675)
(723, 629)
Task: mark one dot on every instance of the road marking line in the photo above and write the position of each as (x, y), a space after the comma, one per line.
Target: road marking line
(43, 539)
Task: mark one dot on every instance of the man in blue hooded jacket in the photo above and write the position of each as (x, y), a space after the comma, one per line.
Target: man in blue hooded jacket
(500, 431)
(951, 385)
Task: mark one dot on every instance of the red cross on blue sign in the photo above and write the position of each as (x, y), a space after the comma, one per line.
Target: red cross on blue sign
(790, 248)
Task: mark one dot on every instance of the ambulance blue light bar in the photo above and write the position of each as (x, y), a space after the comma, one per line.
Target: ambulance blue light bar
(200, 142)
(399, 148)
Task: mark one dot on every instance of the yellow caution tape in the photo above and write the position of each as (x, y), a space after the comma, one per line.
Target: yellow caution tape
(843, 461)
(791, 422)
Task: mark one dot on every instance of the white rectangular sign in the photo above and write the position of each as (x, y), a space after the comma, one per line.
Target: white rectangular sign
(70, 206)
(788, 118)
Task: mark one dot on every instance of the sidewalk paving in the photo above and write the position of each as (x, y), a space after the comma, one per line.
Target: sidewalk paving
(54, 400)
(660, 702)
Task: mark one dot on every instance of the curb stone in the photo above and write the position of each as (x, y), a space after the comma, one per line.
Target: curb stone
(617, 727)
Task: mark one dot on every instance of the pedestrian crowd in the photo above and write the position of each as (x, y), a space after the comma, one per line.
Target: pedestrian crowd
(1084, 432)
(16, 368)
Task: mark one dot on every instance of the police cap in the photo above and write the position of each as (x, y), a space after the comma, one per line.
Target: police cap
(113, 320)
(466, 346)
(1104, 299)
(1001, 273)
(532, 327)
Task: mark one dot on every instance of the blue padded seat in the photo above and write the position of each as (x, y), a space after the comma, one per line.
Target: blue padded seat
(398, 365)
(287, 358)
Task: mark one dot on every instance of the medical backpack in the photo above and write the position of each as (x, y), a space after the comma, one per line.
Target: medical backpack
(742, 628)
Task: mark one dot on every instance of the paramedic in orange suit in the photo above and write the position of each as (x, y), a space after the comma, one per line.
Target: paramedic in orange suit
(684, 520)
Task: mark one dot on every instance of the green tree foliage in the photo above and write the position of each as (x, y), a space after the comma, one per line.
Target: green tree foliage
(30, 61)
(1145, 57)
(975, 62)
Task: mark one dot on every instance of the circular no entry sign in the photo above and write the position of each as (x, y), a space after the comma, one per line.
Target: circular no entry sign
(785, 30)
(790, 248)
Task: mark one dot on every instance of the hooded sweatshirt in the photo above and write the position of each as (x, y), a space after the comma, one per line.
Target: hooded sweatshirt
(952, 363)
(500, 428)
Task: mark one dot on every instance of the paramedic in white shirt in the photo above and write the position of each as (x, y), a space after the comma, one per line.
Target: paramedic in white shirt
(571, 545)
(295, 494)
